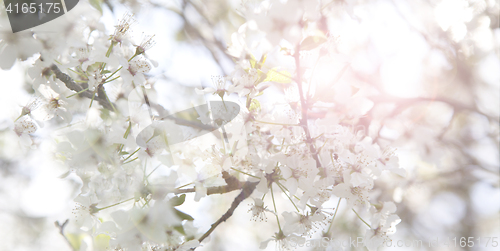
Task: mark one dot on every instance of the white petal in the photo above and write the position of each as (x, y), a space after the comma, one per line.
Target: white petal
(204, 91)
(292, 186)
(154, 62)
(25, 140)
(201, 191)
(358, 179)
(389, 207)
(263, 245)
(286, 172)
(262, 186)
(399, 171)
(342, 190)
(120, 217)
(227, 164)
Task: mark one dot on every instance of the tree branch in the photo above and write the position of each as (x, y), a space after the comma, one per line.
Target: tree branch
(232, 184)
(61, 231)
(219, 189)
(72, 85)
(247, 190)
(304, 106)
(407, 102)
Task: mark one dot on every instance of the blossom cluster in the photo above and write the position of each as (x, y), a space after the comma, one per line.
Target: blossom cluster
(287, 138)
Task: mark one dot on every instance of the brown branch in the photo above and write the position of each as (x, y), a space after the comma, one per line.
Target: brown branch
(61, 231)
(72, 85)
(305, 108)
(232, 184)
(407, 102)
(101, 97)
(219, 189)
(246, 191)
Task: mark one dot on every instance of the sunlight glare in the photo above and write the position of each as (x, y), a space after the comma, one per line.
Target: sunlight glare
(401, 76)
(452, 15)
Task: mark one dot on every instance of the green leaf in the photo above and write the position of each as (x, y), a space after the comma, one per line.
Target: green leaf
(262, 76)
(312, 42)
(189, 114)
(253, 60)
(234, 147)
(261, 61)
(96, 4)
(105, 114)
(105, 72)
(180, 35)
(183, 216)
(75, 240)
(180, 229)
(255, 105)
(255, 64)
(64, 175)
(177, 201)
(102, 241)
(283, 77)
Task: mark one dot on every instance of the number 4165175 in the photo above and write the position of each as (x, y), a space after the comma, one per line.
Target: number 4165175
(32, 8)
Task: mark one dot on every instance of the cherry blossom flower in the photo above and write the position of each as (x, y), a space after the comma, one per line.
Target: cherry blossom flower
(146, 44)
(219, 83)
(96, 78)
(16, 45)
(54, 105)
(391, 162)
(23, 127)
(134, 70)
(383, 223)
(122, 29)
(244, 82)
(283, 242)
(32, 105)
(258, 210)
(84, 212)
(154, 224)
(355, 196)
(278, 26)
(247, 39)
(41, 72)
(304, 225)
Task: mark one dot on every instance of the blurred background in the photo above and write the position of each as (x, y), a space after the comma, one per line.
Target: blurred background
(436, 65)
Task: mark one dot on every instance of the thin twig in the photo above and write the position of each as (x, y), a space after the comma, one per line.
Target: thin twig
(333, 218)
(218, 189)
(245, 193)
(361, 218)
(61, 231)
(304, 105)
